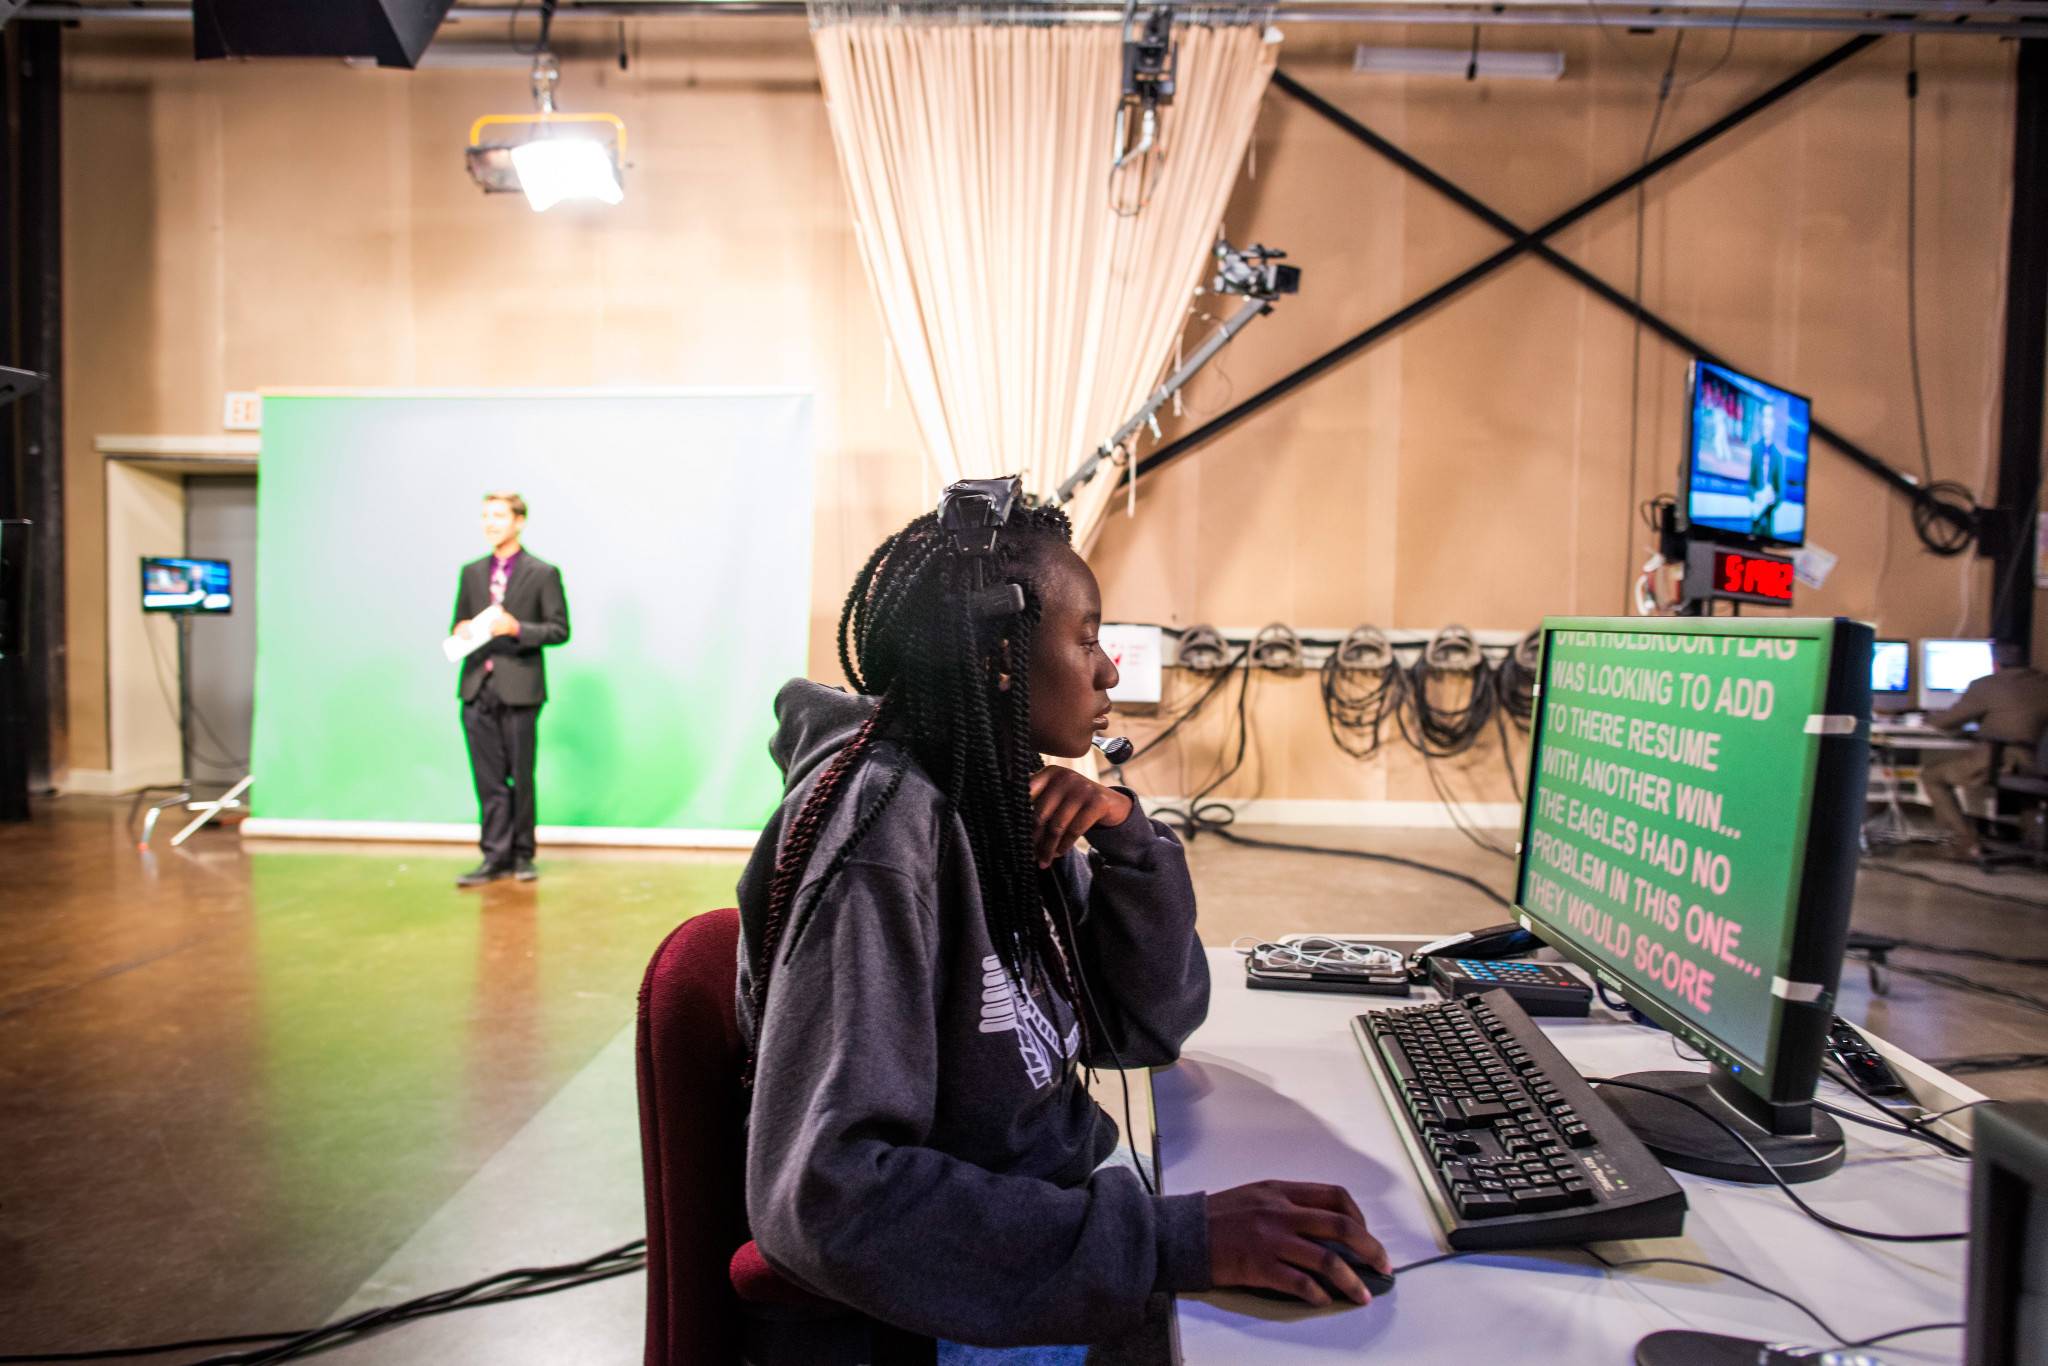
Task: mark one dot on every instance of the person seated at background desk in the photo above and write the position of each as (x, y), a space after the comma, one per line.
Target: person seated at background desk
(2011, 704)
(927, 963)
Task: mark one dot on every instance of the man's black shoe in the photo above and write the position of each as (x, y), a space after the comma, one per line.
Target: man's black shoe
(482, 873)
(524, 870)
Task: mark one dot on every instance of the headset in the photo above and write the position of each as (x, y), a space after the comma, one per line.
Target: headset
(972, 515)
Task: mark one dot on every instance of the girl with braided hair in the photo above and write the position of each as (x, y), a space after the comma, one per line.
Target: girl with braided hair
(927, 963)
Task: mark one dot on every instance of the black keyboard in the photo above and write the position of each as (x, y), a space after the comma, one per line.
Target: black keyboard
(1513, 1147)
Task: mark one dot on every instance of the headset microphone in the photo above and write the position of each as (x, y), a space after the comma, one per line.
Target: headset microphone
(1116, 750)
(972, 513)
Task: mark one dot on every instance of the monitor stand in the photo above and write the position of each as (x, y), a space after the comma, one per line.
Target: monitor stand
(1687, 1141)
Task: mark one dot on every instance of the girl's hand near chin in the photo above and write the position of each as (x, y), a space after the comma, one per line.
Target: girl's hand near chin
(1065, 806)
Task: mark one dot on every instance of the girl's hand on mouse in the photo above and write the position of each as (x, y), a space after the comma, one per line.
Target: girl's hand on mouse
(1066, 806)
(1259, 1236)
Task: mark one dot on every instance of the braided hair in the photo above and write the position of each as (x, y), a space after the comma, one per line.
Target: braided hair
(908, 637)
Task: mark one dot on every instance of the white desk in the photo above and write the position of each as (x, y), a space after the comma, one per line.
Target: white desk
(1895, 763)
(1893, 737)
(1273, 1086)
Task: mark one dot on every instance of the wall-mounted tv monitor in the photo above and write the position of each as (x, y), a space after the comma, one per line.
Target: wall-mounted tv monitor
(179, 585)
(1891, 675)
(1745, 461)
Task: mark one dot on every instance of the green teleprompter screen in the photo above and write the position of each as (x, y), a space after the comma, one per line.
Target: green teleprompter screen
(1670, 784)
(681, 522)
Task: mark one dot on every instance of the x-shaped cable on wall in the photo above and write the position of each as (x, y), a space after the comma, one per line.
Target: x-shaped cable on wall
(1536, 241)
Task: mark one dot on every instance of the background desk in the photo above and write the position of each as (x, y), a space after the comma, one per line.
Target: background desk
(1897, 754)
(1273, 1086)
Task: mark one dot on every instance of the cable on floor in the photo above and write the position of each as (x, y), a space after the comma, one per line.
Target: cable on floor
(1986, 893)
(1951, 950)
(502, 1288)
(1957, 982)
(527, 1283)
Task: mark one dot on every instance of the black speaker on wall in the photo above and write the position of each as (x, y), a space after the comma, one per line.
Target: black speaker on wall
(395, 32)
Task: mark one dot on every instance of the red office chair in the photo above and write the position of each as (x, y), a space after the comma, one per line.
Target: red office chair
(700, 1265)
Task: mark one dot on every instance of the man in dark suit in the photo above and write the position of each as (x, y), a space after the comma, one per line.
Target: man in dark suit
(504, 683)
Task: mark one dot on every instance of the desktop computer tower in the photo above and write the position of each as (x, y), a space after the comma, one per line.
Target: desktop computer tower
(2008, 1292)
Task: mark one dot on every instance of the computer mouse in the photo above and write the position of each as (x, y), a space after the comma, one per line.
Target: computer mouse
(1377, 1282)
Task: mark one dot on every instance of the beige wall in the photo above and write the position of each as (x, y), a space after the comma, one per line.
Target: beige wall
(145, 515)
(296, 224)
(285, 224)
(1475, 468)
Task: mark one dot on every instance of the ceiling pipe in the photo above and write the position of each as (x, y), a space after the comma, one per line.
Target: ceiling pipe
(1987, 18)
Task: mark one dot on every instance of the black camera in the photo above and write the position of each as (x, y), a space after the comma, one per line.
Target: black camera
(1252, 272)
(1149, 60)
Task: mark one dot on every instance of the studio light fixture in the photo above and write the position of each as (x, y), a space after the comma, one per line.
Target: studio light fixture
(551, 170)
(548, 155)
(1431, 61)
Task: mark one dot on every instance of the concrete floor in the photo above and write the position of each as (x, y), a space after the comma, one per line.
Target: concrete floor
(243, 1086)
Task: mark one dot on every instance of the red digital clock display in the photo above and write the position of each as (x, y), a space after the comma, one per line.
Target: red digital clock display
(1753, 576)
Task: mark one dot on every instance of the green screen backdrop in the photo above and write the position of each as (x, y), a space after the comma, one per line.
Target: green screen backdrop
(681, 522)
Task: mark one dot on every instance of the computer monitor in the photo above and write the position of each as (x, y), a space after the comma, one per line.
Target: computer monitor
(1745, 459)
(181, 585)
(1891, 675)
(1948, 668)
(1696, 786)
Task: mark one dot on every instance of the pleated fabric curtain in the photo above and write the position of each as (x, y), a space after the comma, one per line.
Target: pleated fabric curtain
(1030, 309)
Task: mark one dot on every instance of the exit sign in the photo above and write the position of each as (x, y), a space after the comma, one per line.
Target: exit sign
(242, 412)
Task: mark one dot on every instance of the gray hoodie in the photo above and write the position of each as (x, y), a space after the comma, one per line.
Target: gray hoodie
(919, 1147)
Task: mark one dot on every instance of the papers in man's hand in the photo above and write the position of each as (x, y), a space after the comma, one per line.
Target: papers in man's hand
(472, 635)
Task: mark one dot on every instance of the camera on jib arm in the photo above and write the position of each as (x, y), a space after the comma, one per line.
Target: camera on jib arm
(1251, 271)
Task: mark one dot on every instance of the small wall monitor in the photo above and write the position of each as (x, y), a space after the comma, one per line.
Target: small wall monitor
(1691, 835)
(1948, 668)
(180, 585)
(1891, 675)
(1745, 463)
